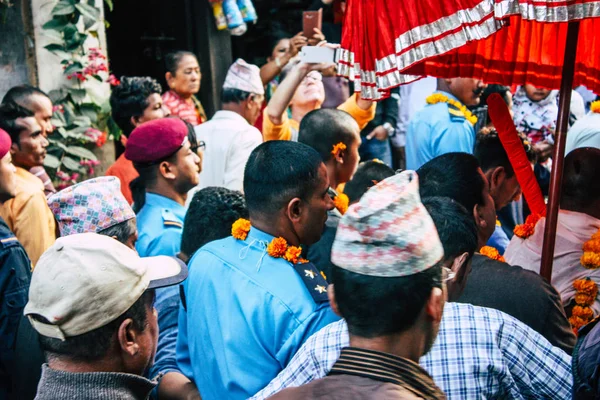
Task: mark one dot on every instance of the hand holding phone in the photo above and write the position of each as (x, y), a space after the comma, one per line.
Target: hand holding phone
(310, 21)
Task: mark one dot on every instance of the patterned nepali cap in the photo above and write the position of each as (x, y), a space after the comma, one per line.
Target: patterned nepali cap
(244, 76)
(388, 233)
(90, 206)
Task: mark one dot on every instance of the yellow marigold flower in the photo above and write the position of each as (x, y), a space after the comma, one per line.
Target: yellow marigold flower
(240, 229)
(590, 260)
(492, 253)
(338, 148)
(592, 245)
(528, 228)
(595, 106)
(277, 247)
(586, 286)
(584, 313)
(293, 254)
(341, 202)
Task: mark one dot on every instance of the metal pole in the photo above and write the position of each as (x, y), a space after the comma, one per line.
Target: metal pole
(559, 150)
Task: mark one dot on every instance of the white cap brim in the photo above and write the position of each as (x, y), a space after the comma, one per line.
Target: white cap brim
(164, 271)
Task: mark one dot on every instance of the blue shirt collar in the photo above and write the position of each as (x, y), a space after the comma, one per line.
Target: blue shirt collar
(157, 200)
(257, 234)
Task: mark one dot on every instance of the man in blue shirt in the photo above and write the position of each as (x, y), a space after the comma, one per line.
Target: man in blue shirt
(444, 125)
(168, 168)
(247, 308)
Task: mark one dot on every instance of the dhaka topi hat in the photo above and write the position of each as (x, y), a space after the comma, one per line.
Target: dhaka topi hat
(90, 206)
(244, 76)
(388, 233)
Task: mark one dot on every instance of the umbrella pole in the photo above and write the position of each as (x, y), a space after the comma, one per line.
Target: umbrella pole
(559, 150)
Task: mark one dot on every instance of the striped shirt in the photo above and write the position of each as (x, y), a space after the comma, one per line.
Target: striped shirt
(189, 111)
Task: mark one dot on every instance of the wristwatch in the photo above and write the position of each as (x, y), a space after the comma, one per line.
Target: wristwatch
(390, 129)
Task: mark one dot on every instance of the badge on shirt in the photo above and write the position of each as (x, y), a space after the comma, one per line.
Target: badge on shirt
(313, 280)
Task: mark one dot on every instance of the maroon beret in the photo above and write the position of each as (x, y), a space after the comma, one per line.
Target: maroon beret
(5, 143)
(156, 140)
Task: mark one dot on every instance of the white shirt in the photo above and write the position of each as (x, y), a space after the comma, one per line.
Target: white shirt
(229, 141)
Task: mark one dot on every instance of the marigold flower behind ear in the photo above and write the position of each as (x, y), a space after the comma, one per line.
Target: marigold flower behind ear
(338, 148)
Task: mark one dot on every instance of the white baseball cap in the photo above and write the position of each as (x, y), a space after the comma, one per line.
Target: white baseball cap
(85, 281)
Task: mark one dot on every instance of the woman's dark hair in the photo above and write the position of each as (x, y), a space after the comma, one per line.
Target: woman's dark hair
(322, 129)
(121, 231)
(172, 60)
(278, 171)
(210, 215)
(368, 174)
(94, 345)
(453, 175)
(130, 99)
(237, 96)
(377, 306)
(276, 36)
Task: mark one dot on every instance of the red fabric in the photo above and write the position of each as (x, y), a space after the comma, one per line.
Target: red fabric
(507, 132)
(524, 52)
(5, 143)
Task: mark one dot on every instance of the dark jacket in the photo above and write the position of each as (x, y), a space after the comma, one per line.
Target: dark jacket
(386, 111)
(15, 276)
(522, 294)
(320, 253)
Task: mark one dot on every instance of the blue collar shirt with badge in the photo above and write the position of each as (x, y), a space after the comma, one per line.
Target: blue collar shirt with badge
(435, 130)
(160, 226)
(246, 314)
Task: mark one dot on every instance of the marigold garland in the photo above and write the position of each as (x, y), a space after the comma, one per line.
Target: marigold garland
(595, 106)
(491, 252)
(591, 252)
(338, 148)
(341, 202)
(582, 313)
(278, 248)
(528, 228)
(440, 98)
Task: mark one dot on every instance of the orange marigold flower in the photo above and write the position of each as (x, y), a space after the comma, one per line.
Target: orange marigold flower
(592, 245)
(277, 247)
(590, 260)
(240, 229)
(338, 148)
(524, 231)
(596, 236)
(586, 286)
(576, 323)
(584, 299)
(341, 202)
(293, 254)
(595, 106)
(492, 253)
(585, 313)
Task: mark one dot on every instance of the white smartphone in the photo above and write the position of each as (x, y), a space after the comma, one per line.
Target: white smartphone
(315, 55)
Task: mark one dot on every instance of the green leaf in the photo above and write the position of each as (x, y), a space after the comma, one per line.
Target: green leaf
(51, 162)
(98, 78)
(77, 95)
(70, 164)
(56, 23)
(88, 23)
(81, 152)
(63, 8)
(57, 143)
(110, 4)
(88, 11)
(82, 121)
(90, 110)
(75, 67)
(70, 31)
(76, 42)
(62, 132)
(54, 47)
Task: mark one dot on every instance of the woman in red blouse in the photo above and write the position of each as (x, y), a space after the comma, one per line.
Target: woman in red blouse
(183, 77)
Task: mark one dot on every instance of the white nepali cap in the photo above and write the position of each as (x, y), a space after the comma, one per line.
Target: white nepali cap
(244, 76)
(388, 233)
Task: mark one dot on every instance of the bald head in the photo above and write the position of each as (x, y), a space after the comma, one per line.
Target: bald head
(581, 182)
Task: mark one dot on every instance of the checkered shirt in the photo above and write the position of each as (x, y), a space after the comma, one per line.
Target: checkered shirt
(480, 353)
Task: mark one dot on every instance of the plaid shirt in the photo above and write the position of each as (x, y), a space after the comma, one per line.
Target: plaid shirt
(480, 353)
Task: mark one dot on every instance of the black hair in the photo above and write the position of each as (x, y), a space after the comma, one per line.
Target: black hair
(378, 306)
(278, 171)
(453, 175)
(173, 59)
(121, 231)
(276, 36)
(490, 152)
(503, 91)
(368, 174)
(237, 96)
(94, 345)
(322, 129)
(130, 99)
(192, 138)
(148, 177)
(581, 179)
(455, 226)
(22, 95)
(210, 215)
(10, 112)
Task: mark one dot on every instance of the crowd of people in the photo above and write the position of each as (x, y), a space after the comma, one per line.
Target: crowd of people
(300, 243)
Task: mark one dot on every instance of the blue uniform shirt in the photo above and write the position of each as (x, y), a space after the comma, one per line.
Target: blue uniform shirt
(435, 130)
(160, 225)
(499, 240)
(246, 315)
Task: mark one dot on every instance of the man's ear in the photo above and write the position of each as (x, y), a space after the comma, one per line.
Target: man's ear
(435, 305)
(497, 177)
(134, 121)
(479, 217)
(127, 337)
(166, 170)
(295, 209)
(14, 148)
(458, 264)
(332, 301)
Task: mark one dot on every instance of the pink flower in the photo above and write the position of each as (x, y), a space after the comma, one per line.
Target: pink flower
(75, 176)
(113, 80)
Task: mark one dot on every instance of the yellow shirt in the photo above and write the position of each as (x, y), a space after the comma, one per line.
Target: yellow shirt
(29, 217)
(288, 129)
